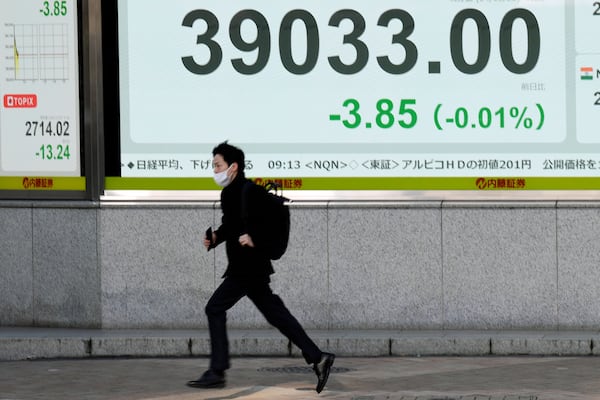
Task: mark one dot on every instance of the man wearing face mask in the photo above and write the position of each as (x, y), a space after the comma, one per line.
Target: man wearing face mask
(247, 272)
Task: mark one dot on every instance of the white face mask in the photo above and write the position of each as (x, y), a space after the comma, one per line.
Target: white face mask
(222, 179)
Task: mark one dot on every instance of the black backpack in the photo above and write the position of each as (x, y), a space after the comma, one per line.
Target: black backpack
(275, 218)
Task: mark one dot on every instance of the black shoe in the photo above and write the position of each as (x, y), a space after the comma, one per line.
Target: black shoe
(209, 380)
(322, 369)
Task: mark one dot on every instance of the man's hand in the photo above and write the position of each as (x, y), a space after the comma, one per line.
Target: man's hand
(207, 242)
(246, 240)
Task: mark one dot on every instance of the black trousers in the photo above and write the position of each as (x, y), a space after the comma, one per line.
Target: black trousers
(269, 304)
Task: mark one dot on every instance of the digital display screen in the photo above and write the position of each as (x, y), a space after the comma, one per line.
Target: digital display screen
(352, 89)
(39, 93)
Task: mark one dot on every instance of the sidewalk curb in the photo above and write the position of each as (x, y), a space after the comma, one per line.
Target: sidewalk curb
(44, 343)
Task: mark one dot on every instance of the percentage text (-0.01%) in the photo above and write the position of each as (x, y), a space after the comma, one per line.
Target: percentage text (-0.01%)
(514, 117)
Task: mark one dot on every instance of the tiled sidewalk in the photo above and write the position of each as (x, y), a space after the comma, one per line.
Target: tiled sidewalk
(281, 378)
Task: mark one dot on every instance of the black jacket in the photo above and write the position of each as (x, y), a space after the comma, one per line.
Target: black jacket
(244, 262)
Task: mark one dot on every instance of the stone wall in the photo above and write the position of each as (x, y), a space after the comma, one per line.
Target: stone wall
(396, 265)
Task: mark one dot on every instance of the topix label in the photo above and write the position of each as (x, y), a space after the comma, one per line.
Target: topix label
(20, 101)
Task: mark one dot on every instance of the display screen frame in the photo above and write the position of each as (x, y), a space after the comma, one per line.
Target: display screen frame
(39, 186)
(494, 187)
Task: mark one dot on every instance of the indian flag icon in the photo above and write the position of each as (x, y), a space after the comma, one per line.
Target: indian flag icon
(587, 73)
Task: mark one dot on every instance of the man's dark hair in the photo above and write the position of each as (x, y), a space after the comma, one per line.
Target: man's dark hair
(230, 154)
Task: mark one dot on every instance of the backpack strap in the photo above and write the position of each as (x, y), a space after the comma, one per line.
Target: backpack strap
(245, 213)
